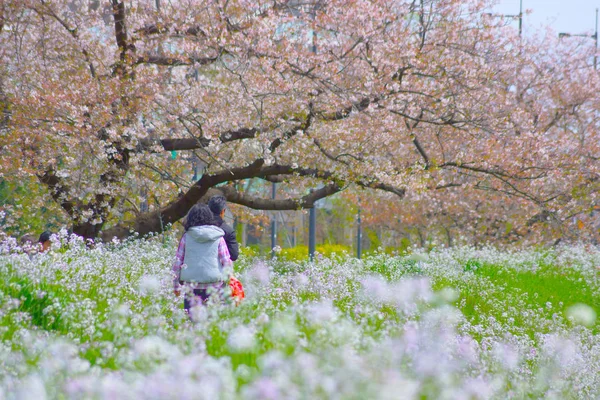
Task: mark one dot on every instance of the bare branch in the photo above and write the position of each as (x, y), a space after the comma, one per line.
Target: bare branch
(421, 151)
(495, 172)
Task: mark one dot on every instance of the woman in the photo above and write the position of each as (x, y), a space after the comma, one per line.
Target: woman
(202, 260)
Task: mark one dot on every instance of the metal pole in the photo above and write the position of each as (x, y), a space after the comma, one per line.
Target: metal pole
(596, 40)
(520, 18)
(273, 223)
(312, 221)
(312, 233)
(359, 236)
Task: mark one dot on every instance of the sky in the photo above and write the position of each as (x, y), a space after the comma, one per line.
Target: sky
(570, 16)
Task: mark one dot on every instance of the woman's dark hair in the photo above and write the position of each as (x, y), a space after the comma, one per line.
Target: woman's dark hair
(199, 215)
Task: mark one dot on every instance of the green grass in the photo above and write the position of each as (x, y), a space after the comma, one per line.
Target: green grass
(40, 300)
(535, 289)
(547, 284)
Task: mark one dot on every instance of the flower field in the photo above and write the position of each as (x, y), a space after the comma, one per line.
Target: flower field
(461, 323)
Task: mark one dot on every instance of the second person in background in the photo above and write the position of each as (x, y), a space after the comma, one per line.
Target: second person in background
(218, 205)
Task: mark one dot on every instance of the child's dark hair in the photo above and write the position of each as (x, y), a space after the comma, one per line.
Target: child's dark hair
(199, 215)
(45, 236)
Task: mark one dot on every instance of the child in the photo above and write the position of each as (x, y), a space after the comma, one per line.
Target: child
(44, 241)
(202, 259)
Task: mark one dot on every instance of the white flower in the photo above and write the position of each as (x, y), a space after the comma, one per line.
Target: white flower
(448, 295)
(260, 272)
(154, 347)
(241, 339)
(283, 330)
(149, 284)
(582, 314)
(322, 312)
(418, 257)
(507, 355)
(262, 319)
(31, 388)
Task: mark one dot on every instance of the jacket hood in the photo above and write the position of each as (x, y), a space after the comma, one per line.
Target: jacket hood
(205, 233)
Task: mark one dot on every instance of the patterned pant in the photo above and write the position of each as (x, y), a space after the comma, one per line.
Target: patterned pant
(201, 296)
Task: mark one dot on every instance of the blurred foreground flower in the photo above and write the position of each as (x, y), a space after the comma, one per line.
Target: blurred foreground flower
(149, 284)
(582, 314)
(241, 339)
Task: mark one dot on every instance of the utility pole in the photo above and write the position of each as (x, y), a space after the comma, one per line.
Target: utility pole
(359, 236)
(273, 222)
(312, 220)
(312, 233)
(520, 18)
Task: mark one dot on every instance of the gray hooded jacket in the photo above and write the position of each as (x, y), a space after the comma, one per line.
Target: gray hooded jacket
(201, 261)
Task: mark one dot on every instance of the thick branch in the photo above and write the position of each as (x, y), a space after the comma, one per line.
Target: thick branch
(401, 192)
(257, 203)
(121, 38)
(197, 142)
(120, 27)
(158, 220)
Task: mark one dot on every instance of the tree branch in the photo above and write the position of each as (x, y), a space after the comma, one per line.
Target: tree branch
(495, 172)
(153, 29)
(158, 220)
(401, 192)
(257, 203)
(118, 8)
(174, 61)
(294, 131)
(196, 142)
(59, 191)
(421, 151)
(345, 112)
(74, 34)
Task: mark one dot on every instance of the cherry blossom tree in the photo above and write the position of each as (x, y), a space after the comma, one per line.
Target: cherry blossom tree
(420, 98)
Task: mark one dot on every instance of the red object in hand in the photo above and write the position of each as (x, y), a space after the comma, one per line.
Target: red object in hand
(237, 290)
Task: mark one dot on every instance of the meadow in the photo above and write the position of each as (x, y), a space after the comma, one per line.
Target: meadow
(459, 323)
